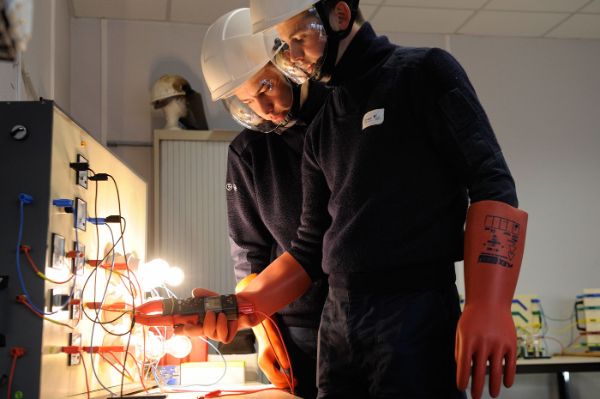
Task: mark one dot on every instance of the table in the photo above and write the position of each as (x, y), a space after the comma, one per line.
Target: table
(562, 366)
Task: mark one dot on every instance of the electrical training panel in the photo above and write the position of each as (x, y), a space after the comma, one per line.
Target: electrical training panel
(49, 203)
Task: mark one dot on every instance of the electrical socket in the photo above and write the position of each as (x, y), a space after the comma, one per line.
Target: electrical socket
(74, 340)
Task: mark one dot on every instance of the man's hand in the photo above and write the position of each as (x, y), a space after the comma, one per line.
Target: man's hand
(483, 335)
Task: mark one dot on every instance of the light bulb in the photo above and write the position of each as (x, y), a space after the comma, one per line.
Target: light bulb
(174, 277)
(153, 347)
(153, 273)
(178, 346)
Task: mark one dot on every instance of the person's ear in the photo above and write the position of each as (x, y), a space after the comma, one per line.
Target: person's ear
(339, 17)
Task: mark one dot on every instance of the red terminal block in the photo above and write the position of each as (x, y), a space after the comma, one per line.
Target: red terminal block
(92, 349)
(117, 306)
(119, 266)
(72, 254)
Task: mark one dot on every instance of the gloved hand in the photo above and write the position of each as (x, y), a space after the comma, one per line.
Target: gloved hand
(272, 356)
(215, 326)
(283, 281)
(494, 246)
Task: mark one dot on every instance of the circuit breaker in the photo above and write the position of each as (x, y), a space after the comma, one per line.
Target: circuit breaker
(65, 201)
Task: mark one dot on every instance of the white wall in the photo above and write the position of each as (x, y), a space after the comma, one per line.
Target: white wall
(137, 54)
(542, 96)
(47, 59)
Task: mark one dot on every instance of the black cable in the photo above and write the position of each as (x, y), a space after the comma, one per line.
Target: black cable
(122, 225)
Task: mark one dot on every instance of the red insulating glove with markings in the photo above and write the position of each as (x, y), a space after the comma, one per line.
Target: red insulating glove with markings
(283, 281)
(494, 245)
(272, 355)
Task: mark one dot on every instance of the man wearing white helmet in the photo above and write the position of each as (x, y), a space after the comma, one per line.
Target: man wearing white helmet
(264, 191)
(400, 156)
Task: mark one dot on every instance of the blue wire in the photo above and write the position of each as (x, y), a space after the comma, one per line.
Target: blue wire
(22, 201)
(26, 199)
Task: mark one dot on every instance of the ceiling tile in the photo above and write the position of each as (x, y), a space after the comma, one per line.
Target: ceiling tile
(367, 11)
(579, 26)
(465, 4)
(506, 23)
(536, 5)
(418, 20)
(593, 7)
(195, 11)
(121, 9)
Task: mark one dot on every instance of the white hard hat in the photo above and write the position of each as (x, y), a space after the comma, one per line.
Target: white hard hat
(168, 86)
(231, 54)
(268, 13)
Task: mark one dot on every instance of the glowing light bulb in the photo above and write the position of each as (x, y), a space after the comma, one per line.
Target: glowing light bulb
(153, 273)
(153, 347)
(178, 346)
(174, 277)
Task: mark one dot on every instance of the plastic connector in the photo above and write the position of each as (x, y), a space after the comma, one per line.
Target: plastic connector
(63, 203)
(97, 221)
(25, 198)
(17, 351)
(99, 177)
(113, 219)
(79, 166)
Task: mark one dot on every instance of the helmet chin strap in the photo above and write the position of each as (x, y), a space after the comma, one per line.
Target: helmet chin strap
(333, 38)
(290, 118)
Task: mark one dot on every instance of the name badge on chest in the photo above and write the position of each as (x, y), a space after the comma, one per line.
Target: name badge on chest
(373, 118)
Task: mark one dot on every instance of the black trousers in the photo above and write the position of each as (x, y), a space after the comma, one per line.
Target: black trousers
(389, 345)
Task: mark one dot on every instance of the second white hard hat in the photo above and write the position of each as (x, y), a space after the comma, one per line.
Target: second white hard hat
(231, 54)
(268, 13)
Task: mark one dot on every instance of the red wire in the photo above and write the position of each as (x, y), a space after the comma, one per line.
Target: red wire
(141, 375)
(87, 384)
(13, 367)
(113, 365)
(24, 302)
(219, 394)
(35, 268)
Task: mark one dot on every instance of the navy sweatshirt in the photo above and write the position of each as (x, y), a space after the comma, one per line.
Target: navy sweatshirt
(264, 202)
(389, 165)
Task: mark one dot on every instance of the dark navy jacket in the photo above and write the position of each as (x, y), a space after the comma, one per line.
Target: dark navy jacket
(389, 165)
(264, 202)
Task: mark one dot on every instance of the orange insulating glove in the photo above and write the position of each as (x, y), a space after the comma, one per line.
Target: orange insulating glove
(494, 245)
(282, 282)
(272, 355)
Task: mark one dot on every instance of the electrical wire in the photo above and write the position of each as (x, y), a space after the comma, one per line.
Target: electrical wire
(22, 202)
(97, 317)
(85, 373)
(178, 389)
(11, 375)
(21, 299)
(37, 271)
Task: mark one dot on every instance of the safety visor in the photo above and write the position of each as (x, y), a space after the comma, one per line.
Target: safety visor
(303, 46)
(263, 102)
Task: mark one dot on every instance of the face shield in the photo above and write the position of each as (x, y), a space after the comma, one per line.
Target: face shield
(267, 102)
(304, 46)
